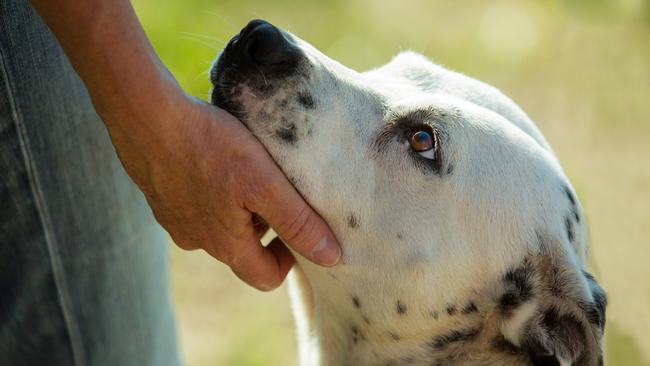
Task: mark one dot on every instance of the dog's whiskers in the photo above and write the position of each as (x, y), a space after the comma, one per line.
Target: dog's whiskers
(200, 41)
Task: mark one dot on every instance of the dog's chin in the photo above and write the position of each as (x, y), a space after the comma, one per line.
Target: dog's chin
(218, 99)
(221, 97)
(224, 90)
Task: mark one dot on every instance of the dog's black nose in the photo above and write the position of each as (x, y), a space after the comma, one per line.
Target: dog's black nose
(263, 45)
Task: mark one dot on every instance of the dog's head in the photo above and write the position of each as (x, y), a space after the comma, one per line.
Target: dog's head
(449, 204)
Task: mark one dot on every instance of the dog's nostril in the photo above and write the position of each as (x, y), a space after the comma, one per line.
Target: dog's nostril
(266, 46)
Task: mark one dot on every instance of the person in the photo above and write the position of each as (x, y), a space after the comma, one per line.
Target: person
(83, 274)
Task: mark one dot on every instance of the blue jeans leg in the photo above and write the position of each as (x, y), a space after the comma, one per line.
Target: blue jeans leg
(83, 264)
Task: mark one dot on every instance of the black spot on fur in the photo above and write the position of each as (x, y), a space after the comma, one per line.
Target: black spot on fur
(357, 335)
(518, 287)
(306, 100)
(400, 235)
(355, 301)
(287, 133)
(400, 307)
(262, 89)
(576, 215)
(282, 104)
(569, 229)
(595, 315)
(451, 310)
(394, 336)
(501, 344)
(353, 222)
(461, 335)
(470, 308)
(570, 195)
(450, 169)
(225, 98)
(600, 301)
(365, 319)
(596, 310)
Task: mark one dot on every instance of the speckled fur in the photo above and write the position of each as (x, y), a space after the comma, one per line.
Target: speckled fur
(477, 258)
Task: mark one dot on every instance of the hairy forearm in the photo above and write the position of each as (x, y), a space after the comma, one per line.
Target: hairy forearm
(109, 50)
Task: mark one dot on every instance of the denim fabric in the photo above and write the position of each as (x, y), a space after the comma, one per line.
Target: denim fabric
(83, 265)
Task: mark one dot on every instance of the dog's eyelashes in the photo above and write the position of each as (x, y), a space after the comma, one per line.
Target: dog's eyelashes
(422, 141)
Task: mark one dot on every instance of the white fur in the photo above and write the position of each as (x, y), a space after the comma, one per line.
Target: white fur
(512, 329)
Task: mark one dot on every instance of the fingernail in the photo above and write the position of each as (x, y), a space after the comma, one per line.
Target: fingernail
(326, 252)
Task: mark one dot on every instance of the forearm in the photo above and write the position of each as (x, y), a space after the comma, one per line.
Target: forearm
(109, 50)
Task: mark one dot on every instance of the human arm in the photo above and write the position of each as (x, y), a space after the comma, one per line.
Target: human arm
(202, 172)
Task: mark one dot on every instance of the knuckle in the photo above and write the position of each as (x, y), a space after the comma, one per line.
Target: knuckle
(300, 227)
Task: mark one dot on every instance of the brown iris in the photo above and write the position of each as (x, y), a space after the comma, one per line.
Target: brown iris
(421, 141)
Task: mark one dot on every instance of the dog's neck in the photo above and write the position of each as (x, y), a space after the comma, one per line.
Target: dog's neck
(418, 311)
(388, 307)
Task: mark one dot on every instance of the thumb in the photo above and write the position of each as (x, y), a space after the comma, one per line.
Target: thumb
(297, 224)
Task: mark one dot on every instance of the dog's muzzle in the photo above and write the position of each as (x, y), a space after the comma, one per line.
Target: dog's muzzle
(259, 50)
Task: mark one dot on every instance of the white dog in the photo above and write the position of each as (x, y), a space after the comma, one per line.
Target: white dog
(463, 241)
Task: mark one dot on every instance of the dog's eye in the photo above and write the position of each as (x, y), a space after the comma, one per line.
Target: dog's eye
(422, 142)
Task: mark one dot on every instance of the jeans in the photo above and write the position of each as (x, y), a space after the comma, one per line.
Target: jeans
(83, 264)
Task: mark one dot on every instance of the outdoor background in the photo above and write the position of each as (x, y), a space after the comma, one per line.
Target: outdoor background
(580, 69)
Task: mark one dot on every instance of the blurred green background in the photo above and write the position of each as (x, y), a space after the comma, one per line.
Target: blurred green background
(580, 68)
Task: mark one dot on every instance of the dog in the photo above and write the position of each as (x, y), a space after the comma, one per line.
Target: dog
(463, 240)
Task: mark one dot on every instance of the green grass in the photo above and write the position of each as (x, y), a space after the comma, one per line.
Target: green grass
(580, 68)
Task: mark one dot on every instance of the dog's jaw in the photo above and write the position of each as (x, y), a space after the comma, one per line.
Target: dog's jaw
(370, 310)
(348, 316)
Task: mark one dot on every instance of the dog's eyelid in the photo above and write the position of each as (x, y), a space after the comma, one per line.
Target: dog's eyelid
(400, 127)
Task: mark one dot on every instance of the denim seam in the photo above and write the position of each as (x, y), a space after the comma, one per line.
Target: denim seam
(55, 260)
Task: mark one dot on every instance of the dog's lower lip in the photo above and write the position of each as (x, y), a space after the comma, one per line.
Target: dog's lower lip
(213, 98)
(217, 100)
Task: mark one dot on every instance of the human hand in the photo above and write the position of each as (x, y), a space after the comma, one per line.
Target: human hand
(202, 172)
(207, 179)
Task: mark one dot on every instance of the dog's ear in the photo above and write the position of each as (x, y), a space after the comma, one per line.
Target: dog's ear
(554, 314)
